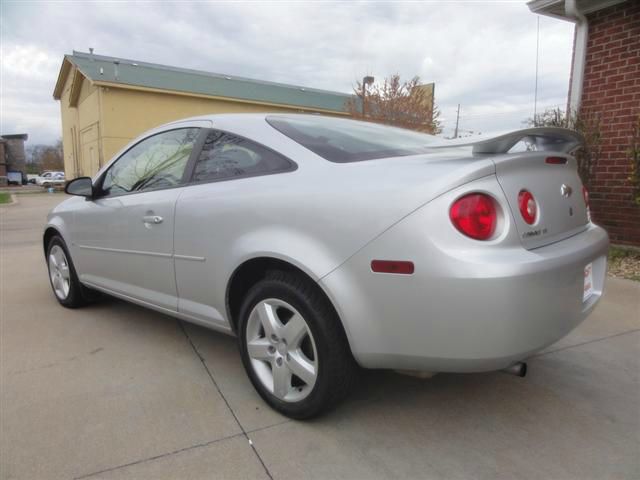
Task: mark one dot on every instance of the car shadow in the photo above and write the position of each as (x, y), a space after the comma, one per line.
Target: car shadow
(382, 393)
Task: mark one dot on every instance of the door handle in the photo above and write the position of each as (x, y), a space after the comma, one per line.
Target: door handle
(154, 219)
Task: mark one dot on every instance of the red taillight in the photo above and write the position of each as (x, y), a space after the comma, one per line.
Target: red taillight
(528, 207)
(475, 215)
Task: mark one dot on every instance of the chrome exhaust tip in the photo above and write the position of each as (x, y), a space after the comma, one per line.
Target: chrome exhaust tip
(519, 369)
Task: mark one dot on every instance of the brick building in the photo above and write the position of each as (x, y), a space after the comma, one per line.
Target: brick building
(12, 156)
(605, 82)
(3, 164)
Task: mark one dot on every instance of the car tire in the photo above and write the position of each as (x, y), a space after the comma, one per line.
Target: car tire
(315, 370)
(64, 281)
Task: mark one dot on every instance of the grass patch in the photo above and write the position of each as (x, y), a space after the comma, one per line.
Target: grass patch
(5, 197)
(624, 263)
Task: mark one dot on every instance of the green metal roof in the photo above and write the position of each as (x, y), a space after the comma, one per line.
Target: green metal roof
(132, 72)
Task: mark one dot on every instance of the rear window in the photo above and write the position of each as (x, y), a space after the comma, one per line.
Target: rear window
(226, 156)
(340, 140)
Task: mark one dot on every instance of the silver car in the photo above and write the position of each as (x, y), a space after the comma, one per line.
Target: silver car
(325, 244)
(49, 179)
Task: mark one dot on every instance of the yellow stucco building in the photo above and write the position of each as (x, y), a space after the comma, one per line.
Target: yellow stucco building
(105, 102)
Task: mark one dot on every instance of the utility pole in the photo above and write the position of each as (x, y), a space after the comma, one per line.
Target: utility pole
(455, 134)
(364, 98)
(368, 80)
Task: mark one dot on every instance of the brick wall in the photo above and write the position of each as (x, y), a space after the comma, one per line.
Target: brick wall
(612, 90)
(16, 157)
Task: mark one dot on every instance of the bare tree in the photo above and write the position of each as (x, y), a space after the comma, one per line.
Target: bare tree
(584, 122)
(45, 157)
(394, 102)
(551, 117)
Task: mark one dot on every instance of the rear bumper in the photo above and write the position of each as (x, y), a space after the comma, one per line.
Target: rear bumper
(464, 311)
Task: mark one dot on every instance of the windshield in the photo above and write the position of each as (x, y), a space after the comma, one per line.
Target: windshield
(340, 140)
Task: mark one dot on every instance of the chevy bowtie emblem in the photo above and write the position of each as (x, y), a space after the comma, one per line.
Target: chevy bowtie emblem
(566, 190)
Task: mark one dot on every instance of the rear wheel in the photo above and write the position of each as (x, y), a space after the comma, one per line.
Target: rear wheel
(293, 346)
(62, 274)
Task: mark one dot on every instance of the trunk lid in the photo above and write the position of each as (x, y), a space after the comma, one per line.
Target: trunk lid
(557, 190)
(556, 187)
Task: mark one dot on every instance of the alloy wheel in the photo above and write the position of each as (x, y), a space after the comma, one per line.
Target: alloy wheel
(59, 272)
(282, 350)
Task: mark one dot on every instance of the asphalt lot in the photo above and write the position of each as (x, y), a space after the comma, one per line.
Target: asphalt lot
(115, 391)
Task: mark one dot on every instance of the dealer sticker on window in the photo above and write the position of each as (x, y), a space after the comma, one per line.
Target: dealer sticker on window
(588, 282)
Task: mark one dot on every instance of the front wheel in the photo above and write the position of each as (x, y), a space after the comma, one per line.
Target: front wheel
(64, 281)
(293, 346)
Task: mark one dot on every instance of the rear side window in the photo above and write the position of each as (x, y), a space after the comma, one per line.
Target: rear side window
(226, 156)
(341, 140)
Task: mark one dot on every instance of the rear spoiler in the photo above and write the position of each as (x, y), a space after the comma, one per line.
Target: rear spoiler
(549, 139)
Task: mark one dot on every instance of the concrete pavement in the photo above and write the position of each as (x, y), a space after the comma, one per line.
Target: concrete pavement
(115, 391)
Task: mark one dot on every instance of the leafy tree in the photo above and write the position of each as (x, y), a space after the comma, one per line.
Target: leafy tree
(394, 102)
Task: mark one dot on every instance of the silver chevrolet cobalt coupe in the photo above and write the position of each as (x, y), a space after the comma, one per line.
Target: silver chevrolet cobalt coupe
(326, 244)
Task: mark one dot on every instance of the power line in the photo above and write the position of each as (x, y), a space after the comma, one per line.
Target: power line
(535, 93)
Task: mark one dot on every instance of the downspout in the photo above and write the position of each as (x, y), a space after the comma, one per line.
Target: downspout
(579, 54)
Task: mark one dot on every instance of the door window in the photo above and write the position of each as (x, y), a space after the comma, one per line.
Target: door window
(154, 163)
(226, 156)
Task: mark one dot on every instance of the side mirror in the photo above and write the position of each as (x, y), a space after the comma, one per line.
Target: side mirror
(81, 186)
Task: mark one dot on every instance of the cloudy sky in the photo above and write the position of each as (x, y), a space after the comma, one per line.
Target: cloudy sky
(480, 54)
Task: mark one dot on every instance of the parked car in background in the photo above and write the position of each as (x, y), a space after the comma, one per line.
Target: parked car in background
(50, 179)
(326, 243)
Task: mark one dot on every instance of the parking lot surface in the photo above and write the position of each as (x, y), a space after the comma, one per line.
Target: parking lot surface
(115, 391)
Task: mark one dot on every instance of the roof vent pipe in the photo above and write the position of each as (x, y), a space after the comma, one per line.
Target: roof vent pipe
(579, 54)
(115, 68)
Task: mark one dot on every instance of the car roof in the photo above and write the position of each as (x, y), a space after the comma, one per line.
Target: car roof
(222, 119)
